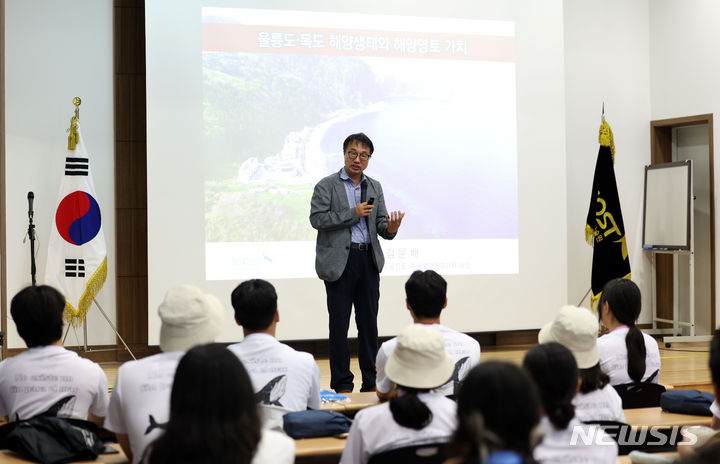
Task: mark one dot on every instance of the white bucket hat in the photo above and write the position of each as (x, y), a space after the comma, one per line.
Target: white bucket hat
(189, 317)
(577, 329)
(419, 359)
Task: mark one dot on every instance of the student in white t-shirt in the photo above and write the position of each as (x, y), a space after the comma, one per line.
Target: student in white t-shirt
(425, 293)
(619, 308)
(416, 415)
(140, 402)
(577, 329)
(37, 379)
(214, 417)
(285, 380)
(565, 438)
(704, 446)
(498, 409)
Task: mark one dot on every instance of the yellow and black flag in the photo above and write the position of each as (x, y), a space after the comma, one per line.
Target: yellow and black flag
(604, 229)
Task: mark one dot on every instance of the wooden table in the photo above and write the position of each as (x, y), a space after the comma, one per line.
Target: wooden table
(354, 403)
(8, 457)
(656, 416)
(626, 459)
(319, 450)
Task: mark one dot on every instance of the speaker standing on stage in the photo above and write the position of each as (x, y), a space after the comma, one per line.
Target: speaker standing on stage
(348, 211)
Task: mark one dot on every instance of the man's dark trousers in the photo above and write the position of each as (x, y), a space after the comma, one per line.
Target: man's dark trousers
(359, 284)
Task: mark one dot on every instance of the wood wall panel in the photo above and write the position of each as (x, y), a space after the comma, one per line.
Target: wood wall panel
(130, 122)
(130, 175)
(130, 20)
(130, 170)
(131, 238)
(134, 291)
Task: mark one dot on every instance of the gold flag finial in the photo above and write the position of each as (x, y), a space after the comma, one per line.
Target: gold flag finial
(73, 137)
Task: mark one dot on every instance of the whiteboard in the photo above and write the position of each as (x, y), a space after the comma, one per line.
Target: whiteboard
(668, 205)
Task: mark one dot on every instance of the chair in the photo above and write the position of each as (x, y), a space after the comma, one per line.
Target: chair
(429, 453)
(640, 394)
(639, 439)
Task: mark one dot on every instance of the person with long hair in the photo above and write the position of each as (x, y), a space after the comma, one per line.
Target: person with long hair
(417, 365)
(577, 329)
(626, 354)
(214, 416)
(140, 403)
(498, 407)
(565, 438)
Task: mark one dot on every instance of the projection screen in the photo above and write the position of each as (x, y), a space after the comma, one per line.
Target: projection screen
(248, 104)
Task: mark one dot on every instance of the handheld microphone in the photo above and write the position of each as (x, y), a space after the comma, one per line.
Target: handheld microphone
(31, 197)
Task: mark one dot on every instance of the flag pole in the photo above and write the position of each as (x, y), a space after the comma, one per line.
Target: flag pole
(112, 326)
(77, 166)
(583, 298)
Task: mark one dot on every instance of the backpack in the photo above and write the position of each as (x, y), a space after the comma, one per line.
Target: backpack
(49, 439)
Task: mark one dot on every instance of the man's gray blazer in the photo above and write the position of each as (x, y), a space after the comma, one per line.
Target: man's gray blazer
(332, 216)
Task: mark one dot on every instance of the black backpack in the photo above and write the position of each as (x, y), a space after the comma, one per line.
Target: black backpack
(49, 439)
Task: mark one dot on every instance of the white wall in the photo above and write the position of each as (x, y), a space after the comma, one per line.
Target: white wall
(685, 69)
(55, 51)
(606, 60)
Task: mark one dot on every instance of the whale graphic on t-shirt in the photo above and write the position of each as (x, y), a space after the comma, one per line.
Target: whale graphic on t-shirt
(272, 392)
(154, 425)
(461, 369)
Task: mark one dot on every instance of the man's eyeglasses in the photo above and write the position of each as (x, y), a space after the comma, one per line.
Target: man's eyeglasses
(352, 154)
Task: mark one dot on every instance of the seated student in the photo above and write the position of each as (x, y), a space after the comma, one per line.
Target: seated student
(425, 298)
(565, 438)
(416, 415)
(140, 406)
(577, 329)
(498, 408)
(715, 374)
(35, 380)
(285, 380)
(214, 417)
(707, 447)
(626, 354)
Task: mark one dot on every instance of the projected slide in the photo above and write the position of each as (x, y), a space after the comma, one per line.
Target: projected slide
(282, 90)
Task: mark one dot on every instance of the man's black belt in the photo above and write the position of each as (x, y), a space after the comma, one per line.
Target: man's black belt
(360, 246)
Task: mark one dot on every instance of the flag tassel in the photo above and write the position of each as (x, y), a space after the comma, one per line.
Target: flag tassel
(74, 316)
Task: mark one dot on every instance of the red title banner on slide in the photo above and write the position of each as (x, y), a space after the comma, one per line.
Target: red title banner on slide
(218, 37)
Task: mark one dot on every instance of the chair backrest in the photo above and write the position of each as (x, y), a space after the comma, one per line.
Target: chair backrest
(636, 439)
(430, 453)
(640, 394)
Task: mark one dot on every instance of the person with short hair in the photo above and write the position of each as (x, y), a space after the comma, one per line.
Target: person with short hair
(426, 297)
(498, 408)
(214, 417)
(140, 402)
(37, 379)
(577, 329)
(626, 354)
(417, 365)
(349, 259)
(556, 375)
(284, 380)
